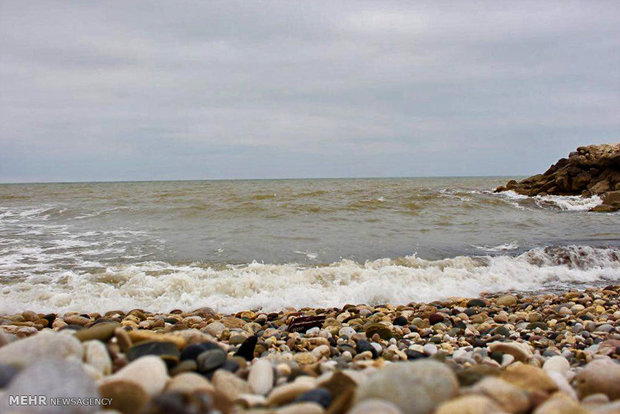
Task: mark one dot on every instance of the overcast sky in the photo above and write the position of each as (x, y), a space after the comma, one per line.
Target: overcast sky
(132, 90)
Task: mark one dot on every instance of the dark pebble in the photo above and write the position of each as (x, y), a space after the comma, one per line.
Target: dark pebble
(230, 365)
(400, 321)
(435, 318)
(363, 345)
(7, 372)
(413, 355)
(476, 303)
(165, 350)
(211, 359)
(192, 351)
(246, 350)
(318, 395)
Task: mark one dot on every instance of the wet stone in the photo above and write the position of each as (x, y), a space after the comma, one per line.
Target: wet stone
(318, 395)
(165, 350)
(211, 359)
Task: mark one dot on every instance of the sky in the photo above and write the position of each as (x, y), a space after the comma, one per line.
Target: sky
(164, 90)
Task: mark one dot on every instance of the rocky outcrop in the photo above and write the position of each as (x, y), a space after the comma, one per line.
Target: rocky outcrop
(591, 170)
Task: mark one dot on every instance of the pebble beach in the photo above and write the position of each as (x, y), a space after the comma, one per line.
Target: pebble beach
(511, 353)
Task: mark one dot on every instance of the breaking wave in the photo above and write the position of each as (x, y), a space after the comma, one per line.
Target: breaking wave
(161, 286)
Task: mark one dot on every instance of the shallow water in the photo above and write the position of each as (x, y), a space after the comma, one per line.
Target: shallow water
(273, 243)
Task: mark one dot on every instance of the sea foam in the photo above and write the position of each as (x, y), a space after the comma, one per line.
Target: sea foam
(160, 286)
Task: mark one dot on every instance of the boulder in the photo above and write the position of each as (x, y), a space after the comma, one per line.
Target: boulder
(592, 169)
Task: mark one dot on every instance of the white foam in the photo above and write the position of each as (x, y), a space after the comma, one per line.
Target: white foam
(569, 203)
(513, 245)
(160, 286)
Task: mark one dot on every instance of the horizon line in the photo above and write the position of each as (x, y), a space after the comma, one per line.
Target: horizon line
(255, 179)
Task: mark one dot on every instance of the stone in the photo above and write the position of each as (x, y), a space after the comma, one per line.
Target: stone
(510, 398)
(96, 355)
(188, 383)
(377, 328)
(528, 377)
(400, 321)
(506, 300)
(558, 364)
(480, 303)
(52, 378)
(143, 335)
(46, 344)
(149, 372)
(215, 329)
(101, 331)
(304, 358)
(416, 387)
(470, 404)
(363, 346)
(123, 339)
(229, 384)
(318, 395)
(261, 377)
(561, 404)
(165, 350)
(374, 406)
(346, 331)
(246, 350)
(520, 351)
(301, 408)
(287, 393)
(600, 376)
(125, 396)
(7, 373)
(211, 359)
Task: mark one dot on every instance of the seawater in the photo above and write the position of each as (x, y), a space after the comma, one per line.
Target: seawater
(268, 244)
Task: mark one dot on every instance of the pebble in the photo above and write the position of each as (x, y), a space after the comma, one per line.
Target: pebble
(558, 364)
(229, 384)
(561, 404)
(211, 359)
(46, 344)
(149, 372)
(521, 352)
(101, 331)
(317, 395)
(126, 396)
(301, 408)
(506, 300)
(600, 376)
(96, 355)
(188, 383)
(416, 387)
(469, 404)
(285, 394)
(52, 378)
(509, 397)
(375, 406)
(261, 377)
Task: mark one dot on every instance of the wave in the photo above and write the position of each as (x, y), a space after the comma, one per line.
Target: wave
(564, 203)
(513, 245)
(161, 286)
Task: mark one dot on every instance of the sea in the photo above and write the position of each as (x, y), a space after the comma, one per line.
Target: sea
(271, 244)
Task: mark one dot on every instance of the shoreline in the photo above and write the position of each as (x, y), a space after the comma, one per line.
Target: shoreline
(508, 353)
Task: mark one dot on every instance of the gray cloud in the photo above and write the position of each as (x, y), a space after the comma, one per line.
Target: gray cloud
(187, 89)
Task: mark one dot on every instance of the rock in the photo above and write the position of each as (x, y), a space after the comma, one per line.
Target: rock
(7, 373)
(188, 383)
(375, 407)
(143, 335)
(416, 387)
(165, 350)
(286, 393)
(594, 169)
(528, 377)
(101, 331)
(52, 379)
(215, 328)
(125, 396)
(229, 384)
(470, 404)
(521, 352)
(561, 404)
(400, 321)
(123, 339)
(304, 358)
(46, 344)
(318, 395)
(480, 303)
(506, 300)
(246, 350)
(558, 364)
(96, 355)
(149, 372)
(377, 328)
(261, 377)
(363, 346)
(192, 351)
(510, 398)
(301, 408)
(600, 376)
(211, 359)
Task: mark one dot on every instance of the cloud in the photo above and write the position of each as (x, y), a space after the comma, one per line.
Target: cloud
(139, 90)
